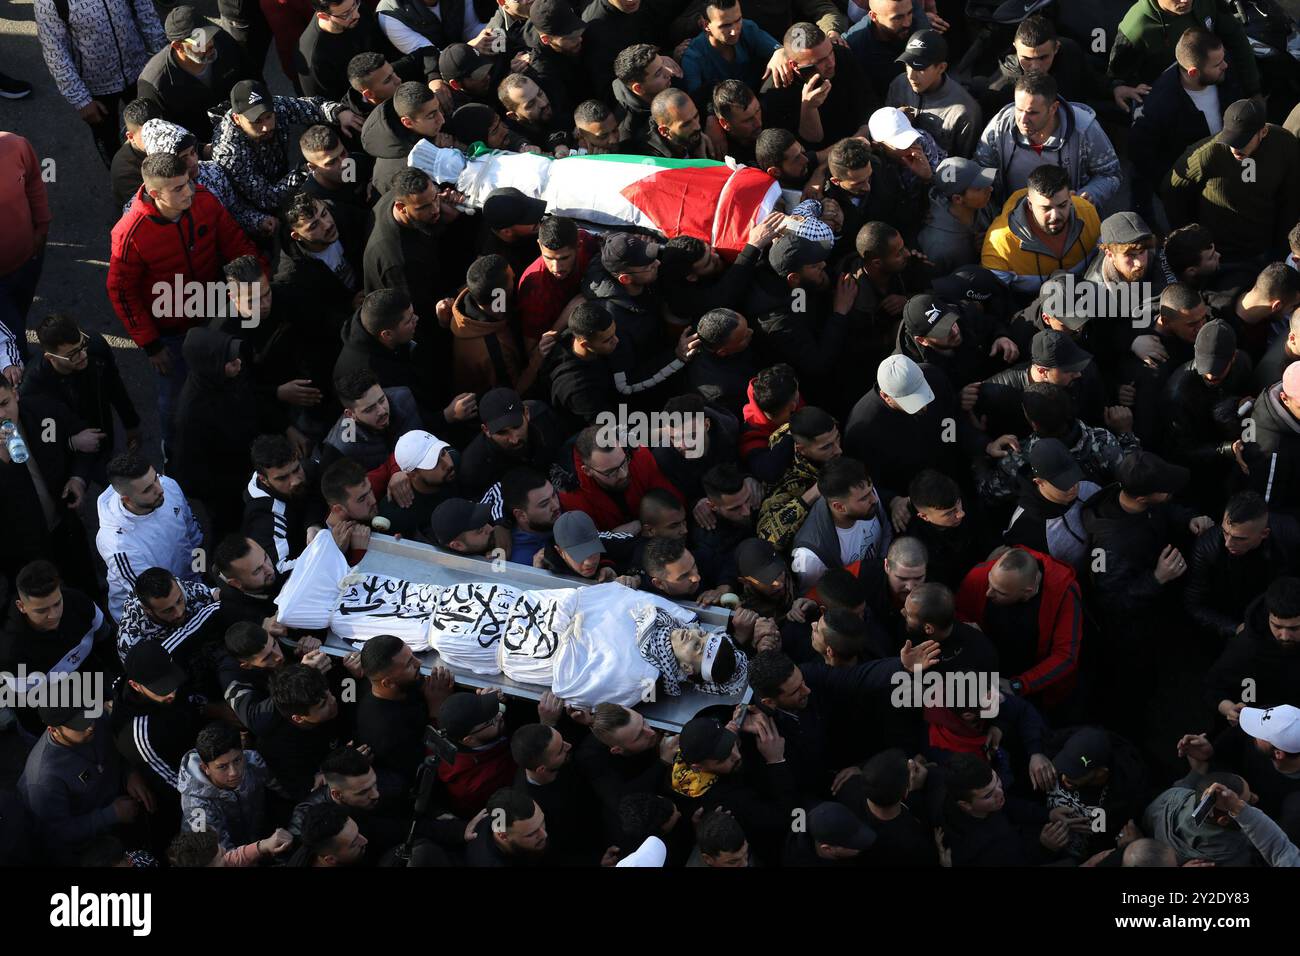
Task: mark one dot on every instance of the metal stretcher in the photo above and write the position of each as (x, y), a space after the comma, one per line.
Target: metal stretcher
(422, 563)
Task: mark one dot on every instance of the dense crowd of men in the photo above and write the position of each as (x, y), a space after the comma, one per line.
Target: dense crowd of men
(988, 437)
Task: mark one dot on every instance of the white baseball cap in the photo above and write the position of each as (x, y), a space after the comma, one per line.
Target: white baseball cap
(890, 125)
(417, 449)
(653, 852)
(1279, 726)
(902, 380)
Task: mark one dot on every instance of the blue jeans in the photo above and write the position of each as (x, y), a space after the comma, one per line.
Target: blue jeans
(169, 385)
(17, 289)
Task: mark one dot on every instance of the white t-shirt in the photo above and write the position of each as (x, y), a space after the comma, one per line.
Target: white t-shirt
(1207, 101)
(857, 543)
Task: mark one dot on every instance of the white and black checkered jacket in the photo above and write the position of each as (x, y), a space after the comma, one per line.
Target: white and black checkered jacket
(260, 172)
(101, 48)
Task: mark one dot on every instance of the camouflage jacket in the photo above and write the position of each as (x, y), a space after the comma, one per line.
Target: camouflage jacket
(1096, 450)
(783, 509)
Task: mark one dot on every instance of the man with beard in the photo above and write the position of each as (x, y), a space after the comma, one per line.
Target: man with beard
(280, 506)
(843, 526)
(641, 73)
(673, 130)
(960, 214)
(408, 252)
(1042, 126)
(144, 522)
(253, 656)
(54, 630)
(513, 433)
(596, 129)
(738, 119)
(930, 614)
(373, 419)
(547, 774)
(1048, 515)
(424, 466)
(529, 111)
(513, 834)
(1125, 243)
(251, 141)
(182, 616)
(551, 281)
(888, 583)
(1042, 229)
(395, 709)
(529, 504)
(779, 153)
(1264, 656)
(348, 491)
(249, 582)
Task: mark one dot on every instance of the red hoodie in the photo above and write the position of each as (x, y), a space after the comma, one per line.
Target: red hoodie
(603, 508)
(476, 775)
(757, 428)
(1060, 625)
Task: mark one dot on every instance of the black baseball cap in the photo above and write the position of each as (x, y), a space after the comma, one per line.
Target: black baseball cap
(1216, 344)
(1053, 349)
(460, 61)
(929, 316)
(185, 22)
(455, 516)
(757, 559)
(703, 738)
(835, 825)
(555, 18)
(1057, 297)
(463, 711)
(1087, 749)
(624, 250)
(924, 48)
(1241, 122)
(501, 408)
(149, 665)
(74, 718)
(1052, 462)
(507, 206)
(1143, 473)
(792, 252)
(250, 99)
(974, 283)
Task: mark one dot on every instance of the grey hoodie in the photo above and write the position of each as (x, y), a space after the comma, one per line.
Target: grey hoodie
(947, 241)
(235, 816)
(1169, 820)
(1079, 145)
(949, 114)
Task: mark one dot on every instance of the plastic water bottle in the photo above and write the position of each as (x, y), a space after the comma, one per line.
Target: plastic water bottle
(18, 453)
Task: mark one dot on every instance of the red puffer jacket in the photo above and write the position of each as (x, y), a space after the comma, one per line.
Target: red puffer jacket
(643, 474)
(147, 249)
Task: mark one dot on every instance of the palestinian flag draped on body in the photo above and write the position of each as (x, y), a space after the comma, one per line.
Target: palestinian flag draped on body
(673, 197)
